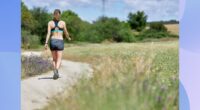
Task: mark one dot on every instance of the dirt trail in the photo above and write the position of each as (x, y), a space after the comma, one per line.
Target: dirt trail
(37, 91)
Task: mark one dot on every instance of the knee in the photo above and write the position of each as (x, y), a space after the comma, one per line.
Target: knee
(54, 59)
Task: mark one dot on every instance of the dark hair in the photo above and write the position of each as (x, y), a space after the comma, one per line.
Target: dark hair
(57, 11)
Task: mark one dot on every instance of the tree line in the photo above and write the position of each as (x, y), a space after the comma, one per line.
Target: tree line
(34, 27)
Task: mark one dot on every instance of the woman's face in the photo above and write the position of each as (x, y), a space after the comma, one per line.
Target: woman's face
(56, 15)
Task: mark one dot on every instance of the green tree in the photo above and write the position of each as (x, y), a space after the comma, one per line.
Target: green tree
(27, 20)
(42, 18)
(74, 23)
(137, 20)
(111, 29)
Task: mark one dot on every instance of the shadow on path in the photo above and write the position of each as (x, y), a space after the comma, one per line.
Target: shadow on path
(47, 78)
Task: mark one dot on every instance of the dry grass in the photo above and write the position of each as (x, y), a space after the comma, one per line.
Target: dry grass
(173, 28)
(127, 76)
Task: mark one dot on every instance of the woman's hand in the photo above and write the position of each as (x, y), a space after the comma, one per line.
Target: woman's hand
(69, 39)
(46, 46)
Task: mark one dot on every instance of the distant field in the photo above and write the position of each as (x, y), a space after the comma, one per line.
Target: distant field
(127, 76)
(173, 28)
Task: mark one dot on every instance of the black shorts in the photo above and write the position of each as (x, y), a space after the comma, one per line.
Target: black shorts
(56, 44)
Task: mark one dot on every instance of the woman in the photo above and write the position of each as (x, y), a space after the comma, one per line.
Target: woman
(56, 29)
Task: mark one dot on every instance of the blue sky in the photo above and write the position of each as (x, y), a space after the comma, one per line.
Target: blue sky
(90, 10)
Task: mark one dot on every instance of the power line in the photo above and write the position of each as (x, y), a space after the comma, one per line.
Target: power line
(103, 8)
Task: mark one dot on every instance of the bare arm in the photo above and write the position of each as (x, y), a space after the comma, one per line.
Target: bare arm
(66, 32)
(48, 35)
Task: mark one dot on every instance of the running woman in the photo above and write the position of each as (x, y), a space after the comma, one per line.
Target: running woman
(56, 29)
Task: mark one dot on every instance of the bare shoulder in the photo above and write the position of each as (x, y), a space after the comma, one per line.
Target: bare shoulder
(50, 22)
(61, 21)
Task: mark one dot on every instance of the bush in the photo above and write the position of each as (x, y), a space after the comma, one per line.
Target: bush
(34, 65)
(110, 29)
(154, 34)
(29, 41)
(157, 30)
(158, 26)
(127, 35)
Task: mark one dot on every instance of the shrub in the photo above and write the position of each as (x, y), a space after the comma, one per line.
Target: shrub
(154, 34)
(29, 41)
(158, 26)
(34, 65)
(127, 35)
(109, 29)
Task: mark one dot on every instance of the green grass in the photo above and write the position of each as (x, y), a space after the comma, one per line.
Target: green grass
(127, 76)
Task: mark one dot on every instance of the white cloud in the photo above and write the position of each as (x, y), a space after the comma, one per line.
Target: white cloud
(63, 4)
(155, 9)
(84, 1)
(50, 4)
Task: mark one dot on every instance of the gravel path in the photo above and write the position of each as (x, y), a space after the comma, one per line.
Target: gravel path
(37, 91)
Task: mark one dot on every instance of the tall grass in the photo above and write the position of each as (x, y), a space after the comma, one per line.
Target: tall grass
(142, 76)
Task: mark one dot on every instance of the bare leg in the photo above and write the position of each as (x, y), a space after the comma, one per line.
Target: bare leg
(54, 55)
(59, 58)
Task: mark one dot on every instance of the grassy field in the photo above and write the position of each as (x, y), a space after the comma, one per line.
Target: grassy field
(173, 28)
(127, 76)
